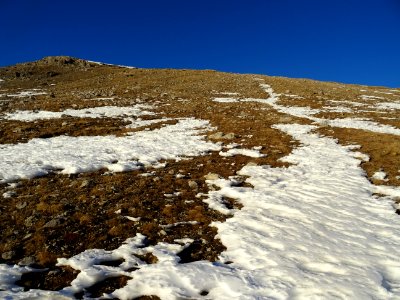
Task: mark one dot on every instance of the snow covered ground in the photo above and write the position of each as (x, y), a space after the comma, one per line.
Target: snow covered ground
(71, 155)
(313, 230)
(95, 112)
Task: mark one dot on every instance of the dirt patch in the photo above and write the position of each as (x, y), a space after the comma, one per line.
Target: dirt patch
(106, 286)
(53, 279)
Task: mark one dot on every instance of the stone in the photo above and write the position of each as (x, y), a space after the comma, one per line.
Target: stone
(221, 136)
(8, 255)
(21, 205)
(212, 176)
(27, 261)
(29, 221)
(53, 223)
(193, 185)
(216, 136)
(85, 183)
(229, 136)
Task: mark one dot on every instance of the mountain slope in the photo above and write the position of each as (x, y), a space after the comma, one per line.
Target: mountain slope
(169, 170)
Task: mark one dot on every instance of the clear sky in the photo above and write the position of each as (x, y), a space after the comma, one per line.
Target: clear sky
(353, 41)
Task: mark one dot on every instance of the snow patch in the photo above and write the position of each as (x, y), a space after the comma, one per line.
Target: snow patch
(338, 109)
(369, 97)
(94, 112)
(388, 105)
(28, 93)
(246, 152)
(357, 123)
(105, 64)
(380, 175)
(71, 155)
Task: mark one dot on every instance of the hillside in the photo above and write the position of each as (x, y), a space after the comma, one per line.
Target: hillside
(128, 183)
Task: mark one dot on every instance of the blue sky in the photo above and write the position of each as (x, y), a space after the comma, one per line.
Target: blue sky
(353, 41)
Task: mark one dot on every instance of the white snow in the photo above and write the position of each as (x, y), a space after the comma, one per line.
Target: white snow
(352, 103)
(94, 112)
(9, 275)
(105, 64)
(8, 194)
(133, 219)
(225, 100)
(380, 175)
(369, 97)
(140, 123)
(103, 98)
(246, 152)
(85, 154)
(293, 96)
(28, 93)
(386, 93)
(388, 105)
(227, 93)
(339, 109)
(356, 123)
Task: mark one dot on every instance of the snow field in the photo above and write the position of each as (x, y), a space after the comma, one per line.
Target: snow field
(95, 112)
(71, 155)
(28, 93)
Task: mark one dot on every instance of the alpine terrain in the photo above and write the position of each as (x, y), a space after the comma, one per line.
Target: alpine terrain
(126, 183)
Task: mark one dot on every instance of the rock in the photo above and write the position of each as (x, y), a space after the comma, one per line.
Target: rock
(221, 136)
(27, 261)
(251, 164)
(212, 176)
(85, 183)
(8, 255)
(27, 236)
(21, 205)
(216, 136)
(54, 272)
(171, 172)
(9, 194)
(29, 221)
(52, 74)
(229, 136)
(53, 223)
(193, 185)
